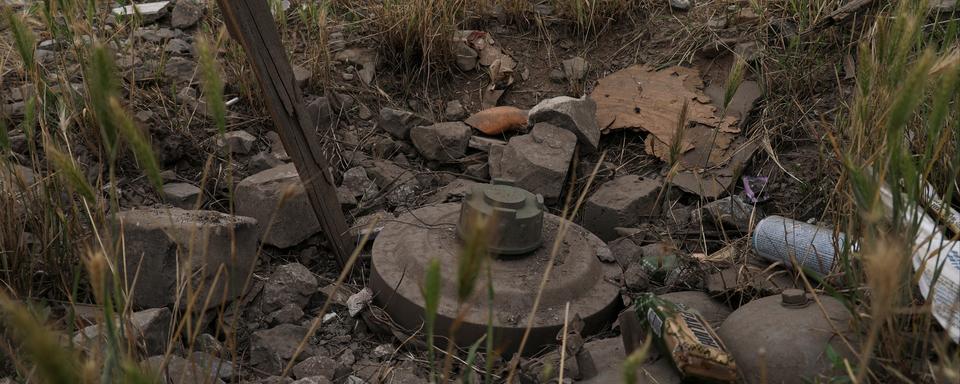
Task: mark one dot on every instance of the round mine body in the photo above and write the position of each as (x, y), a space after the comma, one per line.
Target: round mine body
(406, 245)
(782, 340)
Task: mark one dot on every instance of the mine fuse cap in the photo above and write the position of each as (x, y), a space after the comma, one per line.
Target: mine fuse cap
(513, 217)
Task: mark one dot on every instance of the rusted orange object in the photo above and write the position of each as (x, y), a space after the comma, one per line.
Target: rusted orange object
(497, 120)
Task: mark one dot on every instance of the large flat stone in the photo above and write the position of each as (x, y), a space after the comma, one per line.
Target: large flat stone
(167, 251)
(537, 162)
(278, 200)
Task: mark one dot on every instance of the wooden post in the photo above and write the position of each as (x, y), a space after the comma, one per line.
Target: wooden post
(251, 23)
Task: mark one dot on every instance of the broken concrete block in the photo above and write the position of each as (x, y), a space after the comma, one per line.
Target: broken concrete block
(537, 162)
(441, 141)
(575, 115)
(398, 123)
(290, 284)
(619, 203)
(271, 349)
(278, 200)
(186, 13)
(239, 142)
(151, 327)
(181, 195)
(167, 247)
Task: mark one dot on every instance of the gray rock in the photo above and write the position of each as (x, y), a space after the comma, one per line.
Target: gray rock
(358, 184)
(575, 69)
(730, 212)
(619, 203)
(276, 146)
(575, 115)
(151, 328)
(181, 195)
(301, 75)
(453, 192)
(290, 284)
(317, 366)
(159, 241)
(271, 349)
(557, 76)
(635, 278)
(186, 13)
(273, 380)
(278, 200)
(182, 371)
(290, 313)
(681, 5)
(178, 47)
(313, 380)
(625, 251)
(480, 171)
(537, 162)
(398, 123)
(180, 70)
(263, 161)
(239, 142)
(442, 141)
(155, 35)
(455, 111)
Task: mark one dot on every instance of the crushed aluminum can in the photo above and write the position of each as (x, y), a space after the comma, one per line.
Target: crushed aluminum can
(687, 338)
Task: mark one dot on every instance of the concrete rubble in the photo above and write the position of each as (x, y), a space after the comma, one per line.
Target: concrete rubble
(398, 122)
(441, 141)
(574, 115)
(537, 162)
(164, 247)
(181, 195)
(278, 200)
(620, 202)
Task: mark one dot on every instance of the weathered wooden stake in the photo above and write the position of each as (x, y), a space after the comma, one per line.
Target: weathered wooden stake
(251, 23)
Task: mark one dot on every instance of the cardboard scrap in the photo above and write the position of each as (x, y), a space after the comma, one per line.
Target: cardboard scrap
(712, 151)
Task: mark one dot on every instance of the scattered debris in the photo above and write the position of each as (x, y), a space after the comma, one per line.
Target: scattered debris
(441, 141)
(278, 200)
(620, 202)
(712, 311)
(575, 115)
(498, 120)
(537, 162)
(159, 242)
